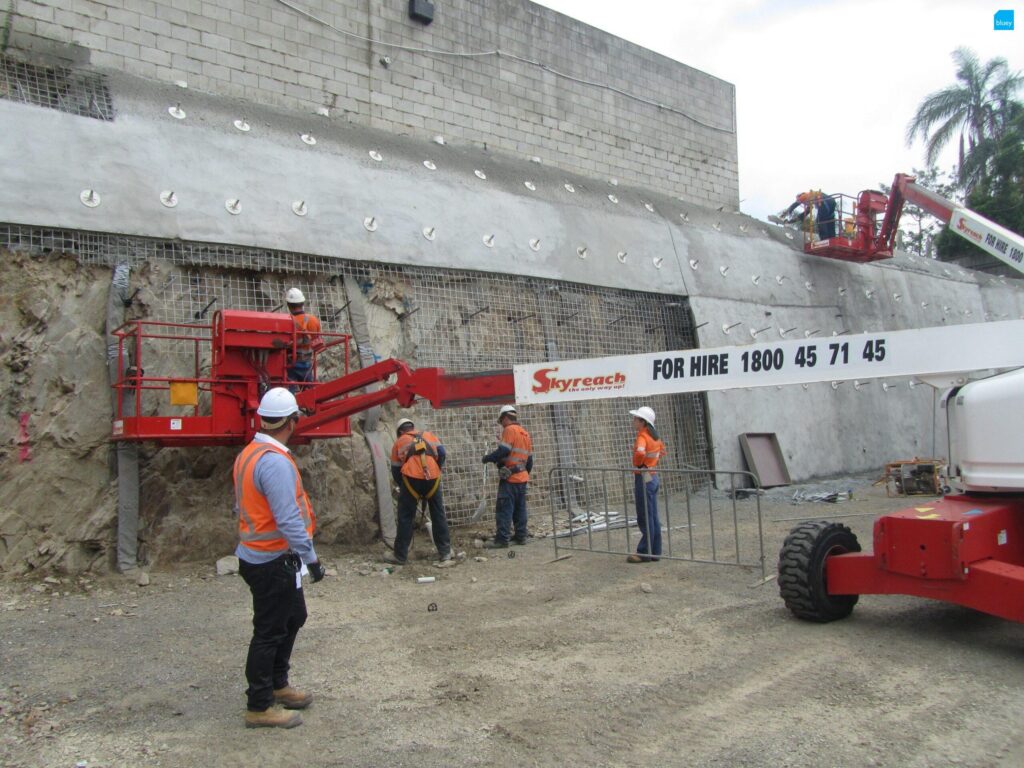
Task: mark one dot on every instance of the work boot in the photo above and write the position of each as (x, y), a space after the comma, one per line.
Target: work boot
(291, 698)
(495, 544)
(390, 557)
(274, 717)
(446, 557)
(520, 541)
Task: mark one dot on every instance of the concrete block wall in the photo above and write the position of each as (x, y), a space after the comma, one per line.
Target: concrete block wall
(619, 112)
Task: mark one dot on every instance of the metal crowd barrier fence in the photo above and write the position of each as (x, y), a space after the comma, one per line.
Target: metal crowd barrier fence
(706, 516)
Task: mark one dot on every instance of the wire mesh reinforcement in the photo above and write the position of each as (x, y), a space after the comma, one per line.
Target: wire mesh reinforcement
(457, 320)
(79, 93)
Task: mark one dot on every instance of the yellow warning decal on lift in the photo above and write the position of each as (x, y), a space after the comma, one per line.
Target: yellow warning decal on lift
(933, 516)
(924, 509)
(184, 393)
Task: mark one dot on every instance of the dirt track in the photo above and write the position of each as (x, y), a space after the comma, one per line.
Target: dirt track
(525, 662)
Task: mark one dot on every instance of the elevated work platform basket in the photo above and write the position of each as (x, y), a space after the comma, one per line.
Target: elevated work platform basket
(192, 384)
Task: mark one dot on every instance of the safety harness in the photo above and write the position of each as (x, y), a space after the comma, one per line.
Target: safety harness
(421, 448)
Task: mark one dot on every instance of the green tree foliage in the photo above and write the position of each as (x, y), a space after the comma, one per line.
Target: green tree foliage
(974, 110)
(999, 192)
(982, 112)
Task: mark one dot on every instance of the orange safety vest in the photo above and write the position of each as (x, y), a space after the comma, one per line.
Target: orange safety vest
(646, 452)
(415, 453)
(257, 529)
(518, 441)
(309, 334)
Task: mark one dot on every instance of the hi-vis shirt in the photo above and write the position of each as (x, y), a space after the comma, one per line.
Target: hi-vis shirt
(520, 452)
(647, 451)
(308, 327)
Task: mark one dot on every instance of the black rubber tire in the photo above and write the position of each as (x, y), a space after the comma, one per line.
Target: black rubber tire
(802, 567)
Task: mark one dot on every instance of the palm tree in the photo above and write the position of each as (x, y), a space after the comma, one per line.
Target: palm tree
(977, 107)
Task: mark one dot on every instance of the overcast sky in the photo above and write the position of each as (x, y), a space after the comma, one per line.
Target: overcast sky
(824, 90)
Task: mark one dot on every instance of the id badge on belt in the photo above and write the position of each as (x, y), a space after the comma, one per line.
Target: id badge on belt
(303, 571)
(648, 477)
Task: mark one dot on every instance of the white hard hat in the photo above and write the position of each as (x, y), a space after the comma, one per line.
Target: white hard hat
(645, 413)
(402, 423)
(506, 409)
(277, 403)
(294, 296)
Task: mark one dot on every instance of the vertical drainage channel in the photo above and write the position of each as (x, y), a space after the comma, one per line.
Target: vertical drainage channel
(127, 453)
(379, 443)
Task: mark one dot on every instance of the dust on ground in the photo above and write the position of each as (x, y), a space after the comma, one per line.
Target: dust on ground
(525, 661)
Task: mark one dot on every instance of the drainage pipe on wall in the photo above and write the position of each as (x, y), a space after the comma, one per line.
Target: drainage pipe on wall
(127, 453)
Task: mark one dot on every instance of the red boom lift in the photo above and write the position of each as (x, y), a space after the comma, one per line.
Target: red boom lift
(248, 354)
(966, 548)
(867, 229)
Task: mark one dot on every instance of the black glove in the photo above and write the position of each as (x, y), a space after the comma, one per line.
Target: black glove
(483, 460)
(316, 571)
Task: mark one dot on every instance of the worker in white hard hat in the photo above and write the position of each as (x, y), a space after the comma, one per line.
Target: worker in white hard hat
(275, 529)
(307, 327)
(647, 450)
(416, 462)
(514, 457)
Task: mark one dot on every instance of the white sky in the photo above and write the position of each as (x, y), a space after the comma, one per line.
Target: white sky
(824, 89)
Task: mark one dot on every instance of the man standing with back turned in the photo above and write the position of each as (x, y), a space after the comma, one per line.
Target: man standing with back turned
(275, 530)
(417, 459)
(514, 457)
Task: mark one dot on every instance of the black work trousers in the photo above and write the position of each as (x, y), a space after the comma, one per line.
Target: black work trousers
(278, 611)
(407, 516)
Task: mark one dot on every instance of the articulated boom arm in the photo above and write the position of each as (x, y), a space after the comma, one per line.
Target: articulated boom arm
(331, 401)
(905, 190)
(992, 238)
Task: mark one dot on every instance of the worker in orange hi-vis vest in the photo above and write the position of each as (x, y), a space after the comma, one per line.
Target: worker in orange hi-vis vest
(822, 223)
(417, 459)
(514, 457)
(647, 450)
(307, 326)
(275, 531)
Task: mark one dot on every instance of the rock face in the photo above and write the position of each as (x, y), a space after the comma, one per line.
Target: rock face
(58, 489)
(59, 504)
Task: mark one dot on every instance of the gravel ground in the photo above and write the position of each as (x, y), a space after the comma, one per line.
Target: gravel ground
(583, 661)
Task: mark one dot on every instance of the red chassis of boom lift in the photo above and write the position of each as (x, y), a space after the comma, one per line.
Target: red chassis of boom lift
(249, 353)
(966, 549)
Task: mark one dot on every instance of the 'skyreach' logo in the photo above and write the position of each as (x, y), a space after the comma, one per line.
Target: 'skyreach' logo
(966, 231)
(546, 381)
(1003, 20)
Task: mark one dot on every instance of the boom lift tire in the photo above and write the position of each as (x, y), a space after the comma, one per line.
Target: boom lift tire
(802, 570)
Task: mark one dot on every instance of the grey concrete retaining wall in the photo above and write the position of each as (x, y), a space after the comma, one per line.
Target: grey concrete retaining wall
(265, 52)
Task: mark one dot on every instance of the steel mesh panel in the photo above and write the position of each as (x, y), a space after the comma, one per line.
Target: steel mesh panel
(458, 320)
(466, 322)
(79, 93)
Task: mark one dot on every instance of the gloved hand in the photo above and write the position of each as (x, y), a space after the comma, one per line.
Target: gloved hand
(316, 571)
(483, 460)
